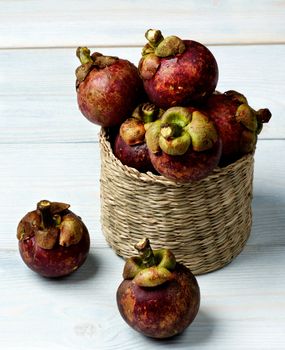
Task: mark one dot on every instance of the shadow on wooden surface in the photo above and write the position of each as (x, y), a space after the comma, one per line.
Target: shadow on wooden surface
(87, 271)
(268, 220)
(199, 332)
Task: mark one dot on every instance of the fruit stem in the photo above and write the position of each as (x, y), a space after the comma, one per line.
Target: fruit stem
(83, 53)
(169, 131)
(145, 252)
(263, 115)
(44, 207)
(149, 112)
(154, 37)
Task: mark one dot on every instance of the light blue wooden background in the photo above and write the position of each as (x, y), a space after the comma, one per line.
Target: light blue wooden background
(48, 150)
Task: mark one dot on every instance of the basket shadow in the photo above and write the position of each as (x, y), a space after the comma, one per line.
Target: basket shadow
(89, 268)
(268, 220)
(267, 234)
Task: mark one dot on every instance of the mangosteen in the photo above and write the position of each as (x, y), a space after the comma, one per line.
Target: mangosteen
(183, 144)
(53, 241)
(129, 144)
(108, 88)
(158, 297)
(237, 123)
(176, 72)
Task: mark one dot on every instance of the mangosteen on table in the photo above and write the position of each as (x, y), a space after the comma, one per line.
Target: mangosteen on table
(108, 88)
(237, 123)
(129, 144)
(53, 241)
(183, 144)
(176, 72)
(158, 297)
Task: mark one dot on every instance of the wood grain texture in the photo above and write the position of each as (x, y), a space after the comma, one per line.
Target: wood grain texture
(48, 150)
(46, 78)
(80, 312)
(70, 172)
(123, 23)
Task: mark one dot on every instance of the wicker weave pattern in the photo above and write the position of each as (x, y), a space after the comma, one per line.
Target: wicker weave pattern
(206, 224)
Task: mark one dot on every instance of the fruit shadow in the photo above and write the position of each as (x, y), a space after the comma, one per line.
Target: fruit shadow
(85, 272)
(199, 332)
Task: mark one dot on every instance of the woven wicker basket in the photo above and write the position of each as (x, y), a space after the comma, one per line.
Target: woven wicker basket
(206, 224)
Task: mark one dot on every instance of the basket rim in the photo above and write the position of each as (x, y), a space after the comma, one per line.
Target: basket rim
(105, 144)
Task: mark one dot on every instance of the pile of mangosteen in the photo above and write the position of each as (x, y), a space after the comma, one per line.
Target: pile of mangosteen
(166, 115)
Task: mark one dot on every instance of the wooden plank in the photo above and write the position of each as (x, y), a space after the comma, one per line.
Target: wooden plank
(70, 173)
(72, 23)
(38, 98)
(48, 150)
(80, 312)
(59, 172)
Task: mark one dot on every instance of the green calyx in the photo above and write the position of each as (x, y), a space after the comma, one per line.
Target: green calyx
(152, 276)
(202, 131)
(162, 47)
(71, 230)
(250, 119)
(253, 123)
(154, 37)
(149, 65)
(173, 138)
(158, 47)
(28, 225)
(47, 238)
(146, 112)
(170, 46)
(84, 55)
(88, 62)
(52, 223)
(178, 129)
(133, 129)
(175, 145)
(152, 267)
(246, 116)
(263, 115)
(152, 136)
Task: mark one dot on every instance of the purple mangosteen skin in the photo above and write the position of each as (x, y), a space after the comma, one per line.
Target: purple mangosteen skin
(221, 110)
(135, 156)
(183, 79)
(191, 166)
(237, 123)
(108, 95)
(57, 262)
(162, 311)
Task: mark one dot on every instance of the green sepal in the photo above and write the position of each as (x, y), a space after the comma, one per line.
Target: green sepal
(153, 276)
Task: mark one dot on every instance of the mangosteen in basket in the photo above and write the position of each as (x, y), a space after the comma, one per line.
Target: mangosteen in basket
(237, 123)
(108, 88)
(183, 144)
(129, 145)
(176, 72)
(158, 297)
(53, 241)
